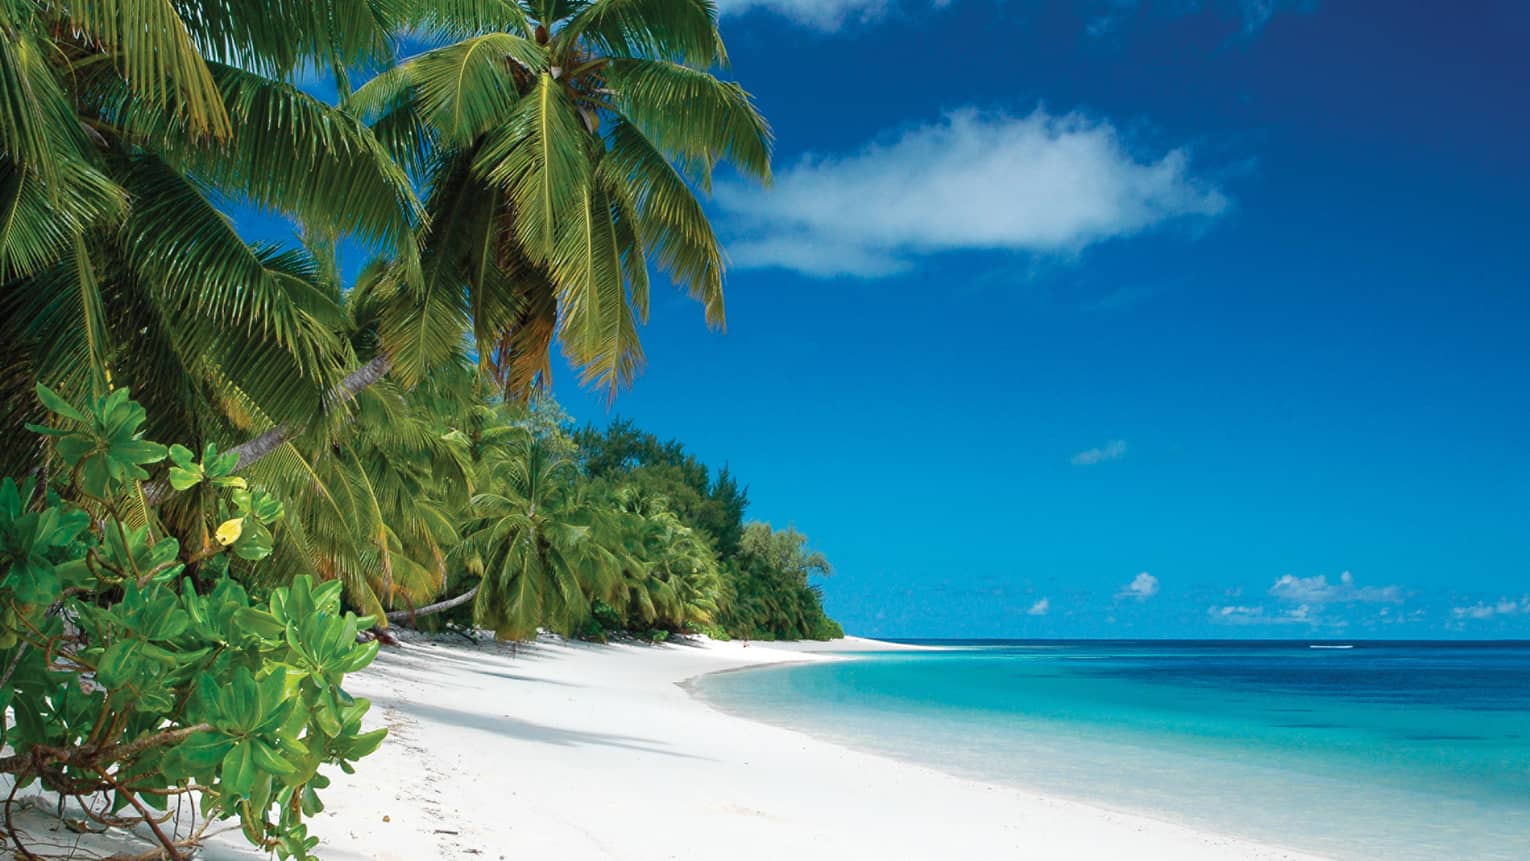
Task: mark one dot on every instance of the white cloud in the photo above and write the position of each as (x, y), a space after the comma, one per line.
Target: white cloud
(1237, 614)
(1254, 14)
(819, 14)
(1256, 615)
(1142, 587)
(974, 181)
(1307, 599)
(1503, 607)
(1113, 450)
(1040, 608)
(1318, 591)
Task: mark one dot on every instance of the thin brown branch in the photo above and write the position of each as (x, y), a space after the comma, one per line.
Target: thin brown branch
(255, 449)
(41, 756)
(432, 609)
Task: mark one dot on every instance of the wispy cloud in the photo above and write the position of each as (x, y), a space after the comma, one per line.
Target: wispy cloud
(818, 14)
(1142, 587)
(1113, 450)
(1238, 614)
(1253, 14)
(1307, 601)
(1481, 610)
(974, 181)
(831, 15)
(1317, 590)
(1040, 608)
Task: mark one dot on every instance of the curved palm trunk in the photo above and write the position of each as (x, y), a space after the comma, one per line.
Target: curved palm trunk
(432, 609)
(253, 450)
(347, 389)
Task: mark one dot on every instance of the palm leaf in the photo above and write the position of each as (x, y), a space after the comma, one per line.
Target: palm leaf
(542, 158)
(684, 31)
(691, 115)
(39, 224)
(37, 124)
(157, 57)
(461, 90)
(669, 220)
(460, 19)
(290, 153)
(597, 328)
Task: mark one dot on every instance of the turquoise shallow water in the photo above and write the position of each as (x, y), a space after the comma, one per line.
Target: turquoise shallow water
(1383, 751)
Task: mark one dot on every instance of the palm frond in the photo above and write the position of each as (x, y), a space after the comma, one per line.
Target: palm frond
(461, 19)
(289, 153)
(596, 325)
(670, 222)
(684, 31)
(159, 60)
(39, 221)
(691, 115)
(232, 302)
(37, 123)
(461, 90)
(541, 156)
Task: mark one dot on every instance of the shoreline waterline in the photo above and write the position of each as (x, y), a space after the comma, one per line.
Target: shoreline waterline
(599, 753)
(694, 685)
(1348, 753)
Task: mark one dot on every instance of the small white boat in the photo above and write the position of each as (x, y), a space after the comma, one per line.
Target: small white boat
(1326, 646)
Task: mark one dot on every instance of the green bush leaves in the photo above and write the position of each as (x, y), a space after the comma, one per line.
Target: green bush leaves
(157, 684)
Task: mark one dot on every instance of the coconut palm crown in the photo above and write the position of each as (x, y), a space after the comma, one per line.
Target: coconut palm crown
(561, 144)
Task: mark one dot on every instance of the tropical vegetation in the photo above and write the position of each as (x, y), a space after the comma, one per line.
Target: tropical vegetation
(127, 686)
(352, 450)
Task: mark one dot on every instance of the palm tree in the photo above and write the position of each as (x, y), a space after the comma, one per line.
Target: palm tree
(378, 507)
(671, 573)
(123, 127)
(560, 144)
(561, 150)
(535, 540)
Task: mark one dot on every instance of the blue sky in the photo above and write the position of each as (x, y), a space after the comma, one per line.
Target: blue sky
(1186, 319)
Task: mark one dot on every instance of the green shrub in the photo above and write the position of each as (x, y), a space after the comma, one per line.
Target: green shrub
(123, 680)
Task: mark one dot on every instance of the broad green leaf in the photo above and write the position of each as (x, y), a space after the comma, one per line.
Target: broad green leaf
(58, 405)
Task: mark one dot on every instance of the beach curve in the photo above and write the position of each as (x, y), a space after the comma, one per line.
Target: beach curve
(580, 751)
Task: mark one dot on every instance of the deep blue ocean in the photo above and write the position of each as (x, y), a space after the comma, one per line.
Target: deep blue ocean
(1395, 750)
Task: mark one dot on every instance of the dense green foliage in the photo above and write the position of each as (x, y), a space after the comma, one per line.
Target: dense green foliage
(125, 678)
(179, 619)
(597, 533)
(763, 575)
(770, 597)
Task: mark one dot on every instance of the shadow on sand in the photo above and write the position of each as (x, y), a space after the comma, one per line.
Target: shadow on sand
(523, 730)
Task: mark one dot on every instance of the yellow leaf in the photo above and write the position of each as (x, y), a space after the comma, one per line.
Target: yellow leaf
(229, 531)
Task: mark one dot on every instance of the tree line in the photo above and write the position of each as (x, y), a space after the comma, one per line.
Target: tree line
(228, 460)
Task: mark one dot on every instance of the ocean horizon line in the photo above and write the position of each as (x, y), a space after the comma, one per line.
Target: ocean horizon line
(1198, 641)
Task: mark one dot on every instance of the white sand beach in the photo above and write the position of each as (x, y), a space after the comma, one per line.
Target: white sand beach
(576, 751)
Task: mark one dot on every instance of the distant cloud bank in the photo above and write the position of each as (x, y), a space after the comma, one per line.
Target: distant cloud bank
(1040, 608)
(1142, 587)
(1113, 450)
(1317, 590)
(974, 181)
(1307, 598)
(1480, 610)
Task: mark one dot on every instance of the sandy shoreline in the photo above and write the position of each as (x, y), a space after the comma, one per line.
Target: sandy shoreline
(576, 751)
